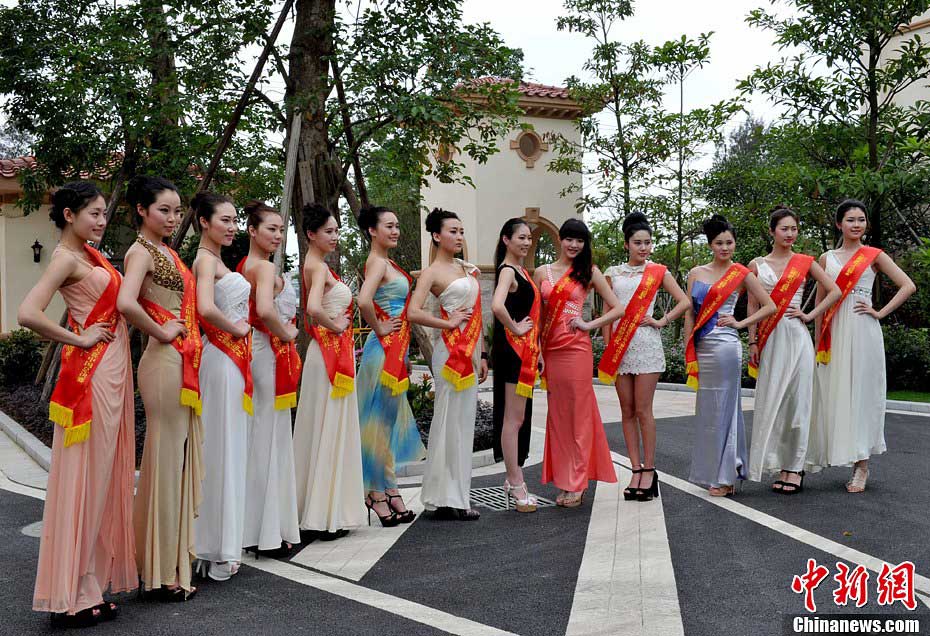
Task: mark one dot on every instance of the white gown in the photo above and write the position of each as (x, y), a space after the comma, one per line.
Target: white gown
(848, 422)
(645, 353)
(327, 441)
(447, 474)
(271, 495)
(218, 527)
(781, 417)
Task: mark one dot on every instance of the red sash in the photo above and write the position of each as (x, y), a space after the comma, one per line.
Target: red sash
(527, 346)
(458, 369)
(716, 296)
(395, 344)
(848, 277)
(190, 347)
(635, 311)
(286, 359)
(791, 279)
(71, 406)
(338, 350)
(561, 292)
(239, 351)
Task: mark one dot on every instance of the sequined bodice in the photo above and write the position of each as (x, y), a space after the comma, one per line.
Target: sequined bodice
(165, 273)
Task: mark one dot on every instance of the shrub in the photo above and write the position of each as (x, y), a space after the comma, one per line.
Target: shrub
(20, 356)
(907, 358)
(421, 396)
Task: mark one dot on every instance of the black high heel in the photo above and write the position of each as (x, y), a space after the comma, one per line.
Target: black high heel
(405, 516)
(648, 494)
(788, 488)
(388, 520)
(630, 494)
(85, 618)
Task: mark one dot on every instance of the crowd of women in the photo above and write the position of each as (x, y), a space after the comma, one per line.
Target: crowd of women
(223, 469)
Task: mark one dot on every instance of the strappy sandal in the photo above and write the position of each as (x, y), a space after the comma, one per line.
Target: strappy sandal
(405, 516)
(108, 610)
(789, 488)
(721, 491)
(574, 500)
(631, 492)
(445, 513)
(859, 478)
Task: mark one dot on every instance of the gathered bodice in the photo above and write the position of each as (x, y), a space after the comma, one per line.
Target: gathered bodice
(80, 297)
(769, 280)
(286, 302)
(392, 295)
(863, 288)
(461, 293)
(231, 296)
(337, 299)
(698, 293)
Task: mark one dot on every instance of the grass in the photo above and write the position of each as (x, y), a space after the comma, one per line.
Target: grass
(909, 396)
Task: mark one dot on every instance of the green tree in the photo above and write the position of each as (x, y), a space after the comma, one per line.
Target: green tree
(842, 83)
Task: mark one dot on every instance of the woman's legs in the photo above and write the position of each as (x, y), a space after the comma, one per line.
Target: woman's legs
(625, 391)
(644, 391)
(514, 410)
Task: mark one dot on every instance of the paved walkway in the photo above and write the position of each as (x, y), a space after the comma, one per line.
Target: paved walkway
(683, 564)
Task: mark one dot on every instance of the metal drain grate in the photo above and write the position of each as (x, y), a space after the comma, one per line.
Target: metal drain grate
(493, 499)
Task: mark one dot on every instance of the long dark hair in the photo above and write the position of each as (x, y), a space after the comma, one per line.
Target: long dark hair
(583, 264)
(509, 228)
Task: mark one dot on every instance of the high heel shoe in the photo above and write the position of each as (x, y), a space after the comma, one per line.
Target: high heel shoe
(524, 504)
(629, 493)
(648, 494)
(574, 500)
(859, 478)
(787, 488)
(403, 516)
(387, 521)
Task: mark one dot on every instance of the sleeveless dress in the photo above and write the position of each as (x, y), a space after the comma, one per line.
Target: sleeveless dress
(327, 444)
(645, 353)
(718, 456)
(576, 449)
(389, 431)
(168, 494)
(447, 475)
(270, 491)
(781, 417)
(848, 422)
(506, 365)
(218, 529)
(87, 543)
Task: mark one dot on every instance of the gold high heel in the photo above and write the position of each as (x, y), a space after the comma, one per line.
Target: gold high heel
(574, 500)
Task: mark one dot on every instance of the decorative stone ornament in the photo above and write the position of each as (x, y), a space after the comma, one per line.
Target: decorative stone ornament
(529, 147)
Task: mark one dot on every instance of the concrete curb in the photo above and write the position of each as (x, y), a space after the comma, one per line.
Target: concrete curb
(415, 469)
(38, 451)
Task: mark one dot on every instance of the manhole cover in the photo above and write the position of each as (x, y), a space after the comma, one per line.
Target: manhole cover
(493, 499)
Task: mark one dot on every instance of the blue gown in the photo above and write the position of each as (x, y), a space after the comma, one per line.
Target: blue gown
(718, 457)
(388, 428)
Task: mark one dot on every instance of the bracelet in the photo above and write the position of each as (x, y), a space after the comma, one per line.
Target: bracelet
(484, 355)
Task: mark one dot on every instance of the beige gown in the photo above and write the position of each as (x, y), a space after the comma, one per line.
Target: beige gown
(87, 543)
(168, 493)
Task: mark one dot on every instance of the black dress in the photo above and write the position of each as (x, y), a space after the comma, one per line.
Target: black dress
(506, 364)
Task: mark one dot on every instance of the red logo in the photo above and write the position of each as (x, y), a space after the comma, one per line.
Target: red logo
(808, 582)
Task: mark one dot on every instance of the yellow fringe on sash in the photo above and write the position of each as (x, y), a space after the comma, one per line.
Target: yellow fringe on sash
(823, 357)
(343, 385)
(524, 390)
(397, 386)
(247, 404)
(286, 401)
(191, 399)
(458, 382)
(605, 378)
(61, 415)
(753, 371)
(77, 434)
(693, 382)
(543, 385)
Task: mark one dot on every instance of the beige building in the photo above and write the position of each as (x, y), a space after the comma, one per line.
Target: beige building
(919, 26)
(514, 182)
(18, 233)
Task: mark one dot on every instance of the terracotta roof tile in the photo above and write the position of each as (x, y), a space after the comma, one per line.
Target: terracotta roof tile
(530, 89)
(12, 167)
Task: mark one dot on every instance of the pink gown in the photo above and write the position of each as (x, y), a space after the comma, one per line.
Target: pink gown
(576, 447)
(87, 541)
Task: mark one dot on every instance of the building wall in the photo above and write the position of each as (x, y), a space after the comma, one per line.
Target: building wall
(18, 274)
(919, 90)
(504, 188)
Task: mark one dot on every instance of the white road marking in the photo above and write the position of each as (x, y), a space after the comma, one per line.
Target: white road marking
(6, 484)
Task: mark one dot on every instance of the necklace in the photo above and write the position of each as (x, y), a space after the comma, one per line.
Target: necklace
(207, 249)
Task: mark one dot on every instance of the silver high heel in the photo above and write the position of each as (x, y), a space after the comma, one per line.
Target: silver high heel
(525, 504)
(857, 483)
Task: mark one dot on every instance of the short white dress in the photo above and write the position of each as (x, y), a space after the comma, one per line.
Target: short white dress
(645, 353)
